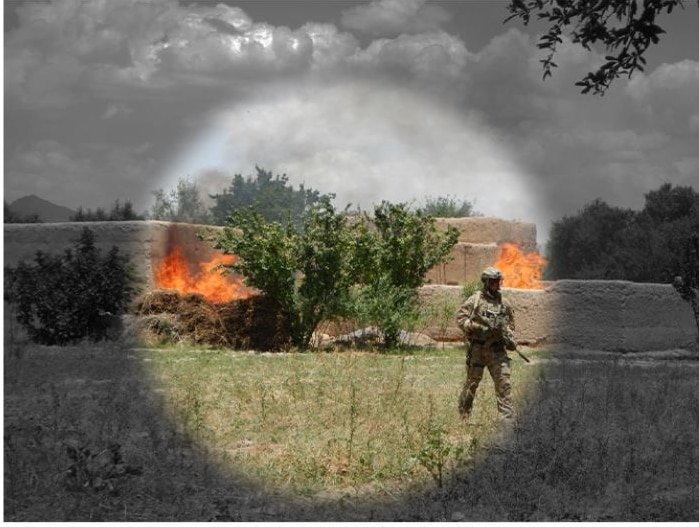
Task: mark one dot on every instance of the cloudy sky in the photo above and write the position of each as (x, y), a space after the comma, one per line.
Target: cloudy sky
(371, 100)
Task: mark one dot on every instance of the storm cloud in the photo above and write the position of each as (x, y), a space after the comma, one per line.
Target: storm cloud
(107, 100)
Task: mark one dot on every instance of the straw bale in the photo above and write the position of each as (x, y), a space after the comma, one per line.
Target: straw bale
(158, 301)
(193, 301)
(150, 330)
(256, 323)
(200, 322)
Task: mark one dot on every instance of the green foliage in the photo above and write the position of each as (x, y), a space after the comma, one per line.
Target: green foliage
(470, 288)
(118, 212)
(183, 204)
(605, 242)
(448, 207)
(64, 298)
(437, 452)
(438, 312)
(625, 29)
(611, 452)
(327, 267)
(272, 197)
(305, 268)
(393, 251)
(585, 245)
(387, 306)
(401, 245)
(669, 204)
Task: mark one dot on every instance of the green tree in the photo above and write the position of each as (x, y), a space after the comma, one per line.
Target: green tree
(305, 268)
(183, 204)
(585, 246)
(64, 298)
(607, 242)
(669, 204)
(392, 252)
(272, 196)
(624, 28)
(449, 207)
(669, 218)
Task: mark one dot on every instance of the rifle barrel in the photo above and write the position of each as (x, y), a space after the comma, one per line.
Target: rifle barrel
(526, 359)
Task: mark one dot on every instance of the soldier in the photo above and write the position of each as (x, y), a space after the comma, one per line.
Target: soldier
(487, 321)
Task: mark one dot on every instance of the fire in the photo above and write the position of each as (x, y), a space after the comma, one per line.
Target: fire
(521, 271)
(174, 273)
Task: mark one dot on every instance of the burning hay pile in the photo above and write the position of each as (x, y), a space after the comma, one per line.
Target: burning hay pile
(253, 323)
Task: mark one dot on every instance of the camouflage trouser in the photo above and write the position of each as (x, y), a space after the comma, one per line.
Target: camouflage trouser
(496, 360)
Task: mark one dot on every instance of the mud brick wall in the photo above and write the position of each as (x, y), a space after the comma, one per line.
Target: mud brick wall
(477, 246)
(146, 243)
(594, 314)
(602, 315)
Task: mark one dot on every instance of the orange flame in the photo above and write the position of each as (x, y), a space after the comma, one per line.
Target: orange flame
(174, 273)
(521, 271)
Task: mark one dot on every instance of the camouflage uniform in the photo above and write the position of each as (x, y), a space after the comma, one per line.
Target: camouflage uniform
(486, 349)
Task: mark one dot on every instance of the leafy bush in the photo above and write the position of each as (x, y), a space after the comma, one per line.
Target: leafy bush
(305, 268)
(393, 251)
(369, 269)
(388, 307)
(64, 298)
(449, 207)
(469, 288)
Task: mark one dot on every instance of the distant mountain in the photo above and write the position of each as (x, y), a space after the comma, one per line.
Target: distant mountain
(48, 212)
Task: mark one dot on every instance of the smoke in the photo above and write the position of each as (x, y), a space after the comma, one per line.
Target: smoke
(365, 143)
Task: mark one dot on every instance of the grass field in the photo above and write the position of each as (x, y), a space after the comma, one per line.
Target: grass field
(116, 434)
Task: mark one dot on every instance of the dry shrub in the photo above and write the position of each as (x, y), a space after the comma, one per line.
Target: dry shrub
(158, 301)
(200, 321)
(151, 330)
(257, 323)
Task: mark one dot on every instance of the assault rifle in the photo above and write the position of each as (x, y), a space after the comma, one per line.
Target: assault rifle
(498, 322)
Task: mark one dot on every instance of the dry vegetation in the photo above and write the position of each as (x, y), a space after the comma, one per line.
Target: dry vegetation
(115, 434)
(166, 316)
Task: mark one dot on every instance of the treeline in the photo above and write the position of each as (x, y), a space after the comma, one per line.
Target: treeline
(270, 195)
(273, 197)
(611, 243)
(119, 212)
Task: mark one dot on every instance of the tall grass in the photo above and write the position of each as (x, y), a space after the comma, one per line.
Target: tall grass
(113, 434)
(309, 422)
(607, 440)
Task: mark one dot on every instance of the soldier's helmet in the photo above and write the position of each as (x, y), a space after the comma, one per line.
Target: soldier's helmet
(491, 273)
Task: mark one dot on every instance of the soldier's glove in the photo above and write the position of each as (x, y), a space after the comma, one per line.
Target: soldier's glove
(476, 330)
(509, 340)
